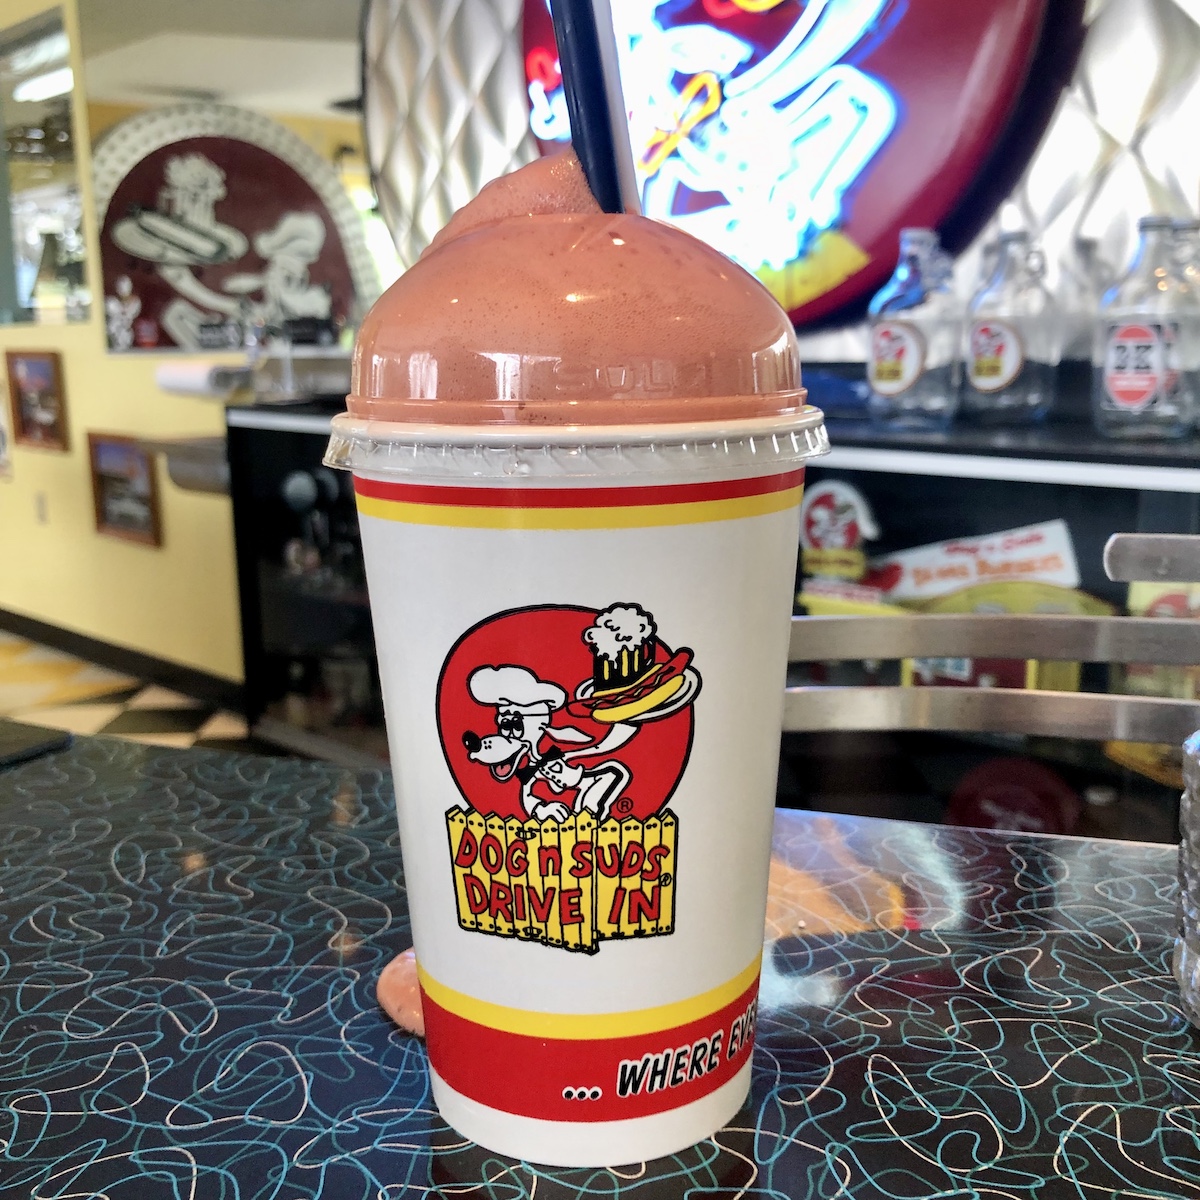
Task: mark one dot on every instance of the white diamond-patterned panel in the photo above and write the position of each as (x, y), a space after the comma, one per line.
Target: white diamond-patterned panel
(1123, 141)
(444, 108)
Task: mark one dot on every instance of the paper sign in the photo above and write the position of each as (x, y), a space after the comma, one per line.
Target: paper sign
(1042, 552)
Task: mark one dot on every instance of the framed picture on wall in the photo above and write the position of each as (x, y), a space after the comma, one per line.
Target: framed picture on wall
(5, 445)
(36, 398)
(124, 489)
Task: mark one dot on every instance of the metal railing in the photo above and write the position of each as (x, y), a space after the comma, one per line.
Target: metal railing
(1088, 715)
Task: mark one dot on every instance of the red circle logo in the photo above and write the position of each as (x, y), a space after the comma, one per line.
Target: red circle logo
(556, 710)
(830, 526)
(1133, 369)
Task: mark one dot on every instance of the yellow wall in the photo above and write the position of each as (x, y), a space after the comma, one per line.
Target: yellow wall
(326, 135)
(178, 602)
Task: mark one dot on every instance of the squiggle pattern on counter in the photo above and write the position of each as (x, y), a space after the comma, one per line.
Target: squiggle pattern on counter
(189, 942)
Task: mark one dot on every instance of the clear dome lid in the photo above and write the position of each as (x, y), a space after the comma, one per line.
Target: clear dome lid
(575, 319)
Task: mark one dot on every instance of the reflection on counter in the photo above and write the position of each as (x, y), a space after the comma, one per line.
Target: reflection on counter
(834, 893)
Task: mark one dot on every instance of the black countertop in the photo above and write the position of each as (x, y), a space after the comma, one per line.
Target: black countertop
(189, 942)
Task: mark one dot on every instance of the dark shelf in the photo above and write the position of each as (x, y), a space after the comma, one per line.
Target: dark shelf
(1070, 441)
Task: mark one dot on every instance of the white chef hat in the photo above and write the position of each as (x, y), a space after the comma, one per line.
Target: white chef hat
(514, 687)
(299, 235)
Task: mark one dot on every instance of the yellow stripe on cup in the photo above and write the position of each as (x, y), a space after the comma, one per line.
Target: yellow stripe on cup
(614, 517)
(588, 1026)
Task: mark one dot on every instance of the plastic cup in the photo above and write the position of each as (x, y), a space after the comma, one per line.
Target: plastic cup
(579, 486)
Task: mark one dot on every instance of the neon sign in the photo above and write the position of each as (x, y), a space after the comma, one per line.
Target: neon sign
(799, 136)
(547, 100)
(773, 144)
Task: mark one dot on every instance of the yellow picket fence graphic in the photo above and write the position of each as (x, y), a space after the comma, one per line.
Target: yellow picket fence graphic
(572, 884)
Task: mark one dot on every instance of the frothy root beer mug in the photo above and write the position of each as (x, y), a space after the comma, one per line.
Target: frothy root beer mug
(582, 635)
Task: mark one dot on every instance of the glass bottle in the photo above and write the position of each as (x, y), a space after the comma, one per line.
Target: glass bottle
(916, 333)
(1086, 276)
(1146, 353)
(1186, 960)
(1014, 339)
(1187, 252)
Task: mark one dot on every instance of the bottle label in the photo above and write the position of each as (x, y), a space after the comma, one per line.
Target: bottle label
(1139, 364)
(997, 356)
(897, 357)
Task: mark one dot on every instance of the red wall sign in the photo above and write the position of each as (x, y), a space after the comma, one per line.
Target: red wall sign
(800, 137)
(208, 234)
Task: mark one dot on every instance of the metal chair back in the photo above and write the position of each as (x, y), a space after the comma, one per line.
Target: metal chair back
(1087, 715)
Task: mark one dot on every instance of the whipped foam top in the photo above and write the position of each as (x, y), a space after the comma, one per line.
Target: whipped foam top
(549, 186)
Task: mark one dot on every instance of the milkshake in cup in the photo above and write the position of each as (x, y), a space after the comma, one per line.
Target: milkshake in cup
(578, 444)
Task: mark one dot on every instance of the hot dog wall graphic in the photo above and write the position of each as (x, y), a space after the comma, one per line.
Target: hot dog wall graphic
(566, 731)
(208, 236)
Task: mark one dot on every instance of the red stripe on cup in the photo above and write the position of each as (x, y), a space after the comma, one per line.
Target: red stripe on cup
(601, 1079)
(584, 497)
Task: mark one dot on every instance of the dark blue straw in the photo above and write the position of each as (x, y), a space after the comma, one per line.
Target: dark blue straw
(587, 101)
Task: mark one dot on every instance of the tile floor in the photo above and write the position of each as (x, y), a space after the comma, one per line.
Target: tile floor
(46, 687)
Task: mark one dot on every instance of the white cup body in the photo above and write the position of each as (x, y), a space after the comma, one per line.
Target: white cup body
(595, 1028)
